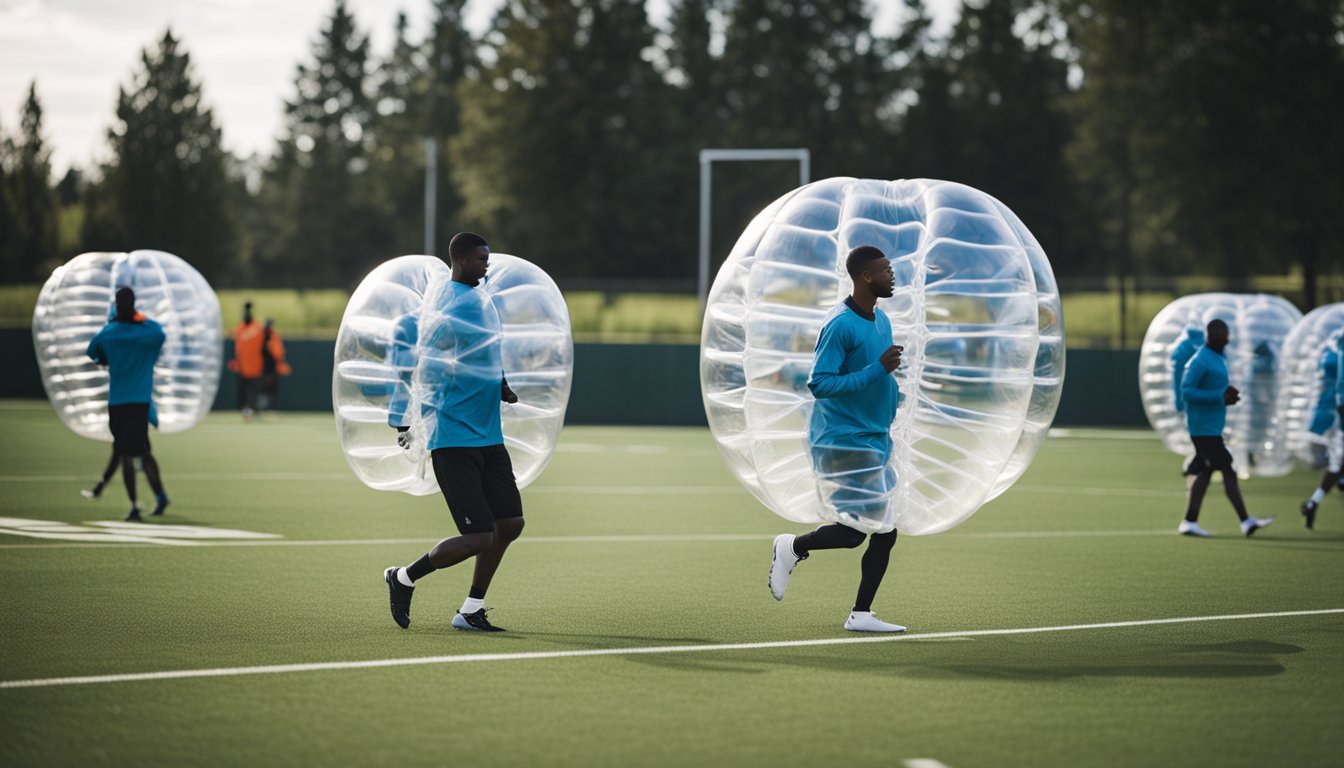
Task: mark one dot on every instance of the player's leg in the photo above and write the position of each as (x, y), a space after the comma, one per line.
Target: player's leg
(458, 471)
(1333, 476)
(789, 550)
(151, 466)
(506, 506)
(1198, 474)
(1220, 460)
(873, 567)
(96, 491)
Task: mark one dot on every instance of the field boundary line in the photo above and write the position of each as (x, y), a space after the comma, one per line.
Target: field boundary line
(615, 538)
(635, 651)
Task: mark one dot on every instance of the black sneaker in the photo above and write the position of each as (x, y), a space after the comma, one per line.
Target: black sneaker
(400, 595)
(475, 621)
(94, 492)
(161, 505)
(1309, 512)
(134, 516)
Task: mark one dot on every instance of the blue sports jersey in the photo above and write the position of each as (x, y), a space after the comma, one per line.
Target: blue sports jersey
(1203, 385)
(856, 396)
(1339, 373)
(1194, 339)
(1323, 416)
(449, 357)
(129, 350)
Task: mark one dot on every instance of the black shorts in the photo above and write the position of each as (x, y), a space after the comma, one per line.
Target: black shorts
(1210, 455)
(478, 485)
(129, 423)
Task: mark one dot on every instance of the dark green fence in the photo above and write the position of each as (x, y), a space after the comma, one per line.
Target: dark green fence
(628, 383)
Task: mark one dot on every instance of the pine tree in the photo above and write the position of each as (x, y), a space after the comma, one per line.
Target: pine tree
(166, 186)
(30, 251)
(321, 224)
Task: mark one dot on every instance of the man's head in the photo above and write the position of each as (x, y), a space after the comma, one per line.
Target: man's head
(125, 303)
(870, 269)
(469, 255)
(247, 312)
(1216, 335)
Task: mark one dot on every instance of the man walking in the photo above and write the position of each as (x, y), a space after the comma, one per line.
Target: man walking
(849, 433)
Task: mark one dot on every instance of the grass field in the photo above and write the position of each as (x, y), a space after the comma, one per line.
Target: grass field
(641, 629)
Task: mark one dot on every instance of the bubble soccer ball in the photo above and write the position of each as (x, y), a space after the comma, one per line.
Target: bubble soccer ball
(1257, 326)
(78, 300)
(1306, 419)
(525, 324)
(975, 306)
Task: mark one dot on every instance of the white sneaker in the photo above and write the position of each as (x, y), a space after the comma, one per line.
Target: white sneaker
(1252, 524)
(865, 621)
(781, 567)
(1187, 528)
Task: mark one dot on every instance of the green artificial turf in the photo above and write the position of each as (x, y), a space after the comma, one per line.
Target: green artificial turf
(640, 538)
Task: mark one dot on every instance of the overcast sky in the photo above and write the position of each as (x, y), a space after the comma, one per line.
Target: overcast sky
(244, 53)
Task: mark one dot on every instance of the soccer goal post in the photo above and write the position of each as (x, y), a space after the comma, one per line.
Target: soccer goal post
(707, 159)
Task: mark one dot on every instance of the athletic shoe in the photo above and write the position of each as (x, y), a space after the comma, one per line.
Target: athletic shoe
(1187, 528)
(867, 621)
(475, 621)
(1309, 512)
(161, 505)
(134, 516)
(400, 596)
(94, 492)
(781, 567)
(1252, 524)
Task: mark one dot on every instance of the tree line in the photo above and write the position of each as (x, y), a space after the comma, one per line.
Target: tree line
(1133, 138)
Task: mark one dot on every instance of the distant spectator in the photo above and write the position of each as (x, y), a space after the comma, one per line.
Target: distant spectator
(247, 361)
(273, 365)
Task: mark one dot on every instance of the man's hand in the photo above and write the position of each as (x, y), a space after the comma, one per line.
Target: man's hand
(1231, 396)
(891, 359)
(404, 437)
(506, 394)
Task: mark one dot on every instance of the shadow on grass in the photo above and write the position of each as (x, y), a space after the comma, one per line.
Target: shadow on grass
(958, 661)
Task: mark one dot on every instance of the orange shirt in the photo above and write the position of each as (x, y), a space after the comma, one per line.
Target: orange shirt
(246, 360)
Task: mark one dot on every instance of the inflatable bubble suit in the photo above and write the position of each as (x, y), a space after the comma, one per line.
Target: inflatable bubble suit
(77, 301)
(975, 306)
(1306, 420)
(1257, 326)
(516, 319)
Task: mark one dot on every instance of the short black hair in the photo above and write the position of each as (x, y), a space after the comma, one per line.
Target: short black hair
(859, 257)
(125, 302)
(1213, 324)
(464, 243)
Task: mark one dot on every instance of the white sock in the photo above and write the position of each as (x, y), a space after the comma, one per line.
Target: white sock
(403, 578)
(472, 605)
(1317, 496)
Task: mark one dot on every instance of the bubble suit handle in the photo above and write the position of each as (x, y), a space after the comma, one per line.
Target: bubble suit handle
(976, 308)
(1306, 420)
(515, 320)
(1257, 326)
(77, 301)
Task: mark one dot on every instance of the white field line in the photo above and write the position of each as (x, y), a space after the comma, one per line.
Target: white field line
(637, 651)
(596, 539)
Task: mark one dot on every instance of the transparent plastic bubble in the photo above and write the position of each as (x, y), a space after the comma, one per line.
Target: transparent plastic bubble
(515, 320)
(975, 307)
(1307, 420)
(1257, 326)
(78, 300)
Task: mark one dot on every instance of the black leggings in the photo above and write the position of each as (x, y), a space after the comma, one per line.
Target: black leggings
(875, 559)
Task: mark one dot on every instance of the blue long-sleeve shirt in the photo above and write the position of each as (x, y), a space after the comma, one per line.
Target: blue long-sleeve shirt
(1339, 374)
(129, 350)
(1202, 386)
(856, 396)
(1323, 416)
(1194, 339)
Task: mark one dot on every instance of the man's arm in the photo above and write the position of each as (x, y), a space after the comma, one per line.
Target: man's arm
(402, 357)
(826, 379)
(505, 393)
(95, 350)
